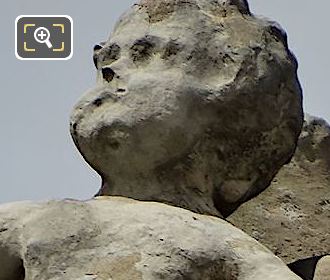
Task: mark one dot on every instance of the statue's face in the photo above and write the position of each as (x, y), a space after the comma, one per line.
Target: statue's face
(146, 108)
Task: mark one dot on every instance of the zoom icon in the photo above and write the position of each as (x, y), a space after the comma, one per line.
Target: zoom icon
(43, 37)
(39, 35)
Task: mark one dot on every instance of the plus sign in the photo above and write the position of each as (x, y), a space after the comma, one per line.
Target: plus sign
(42, 34)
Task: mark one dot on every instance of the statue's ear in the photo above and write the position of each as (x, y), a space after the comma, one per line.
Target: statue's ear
(96, 50)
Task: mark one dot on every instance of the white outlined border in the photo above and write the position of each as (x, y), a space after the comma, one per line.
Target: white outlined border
(64, 58)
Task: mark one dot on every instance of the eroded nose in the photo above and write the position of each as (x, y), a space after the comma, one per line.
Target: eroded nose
(108, 74)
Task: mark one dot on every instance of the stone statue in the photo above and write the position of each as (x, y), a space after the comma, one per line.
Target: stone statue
(197, 105)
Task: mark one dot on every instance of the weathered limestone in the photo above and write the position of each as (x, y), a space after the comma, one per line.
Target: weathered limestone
(121, 239)
(322, 271)
(197, 105)
(292, 217)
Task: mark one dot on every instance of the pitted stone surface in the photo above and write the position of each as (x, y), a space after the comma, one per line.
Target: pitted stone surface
(121, 239)
(322, 271)
(292, 217)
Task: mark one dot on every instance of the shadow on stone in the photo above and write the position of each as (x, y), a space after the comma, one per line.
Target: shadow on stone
(11, 266)
(305, 268)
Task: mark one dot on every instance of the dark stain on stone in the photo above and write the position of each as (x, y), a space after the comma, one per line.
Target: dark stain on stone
(98, 102)
(121, 90)
(3, 229)
(74, 128)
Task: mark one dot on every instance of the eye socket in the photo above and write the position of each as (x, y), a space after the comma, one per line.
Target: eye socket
(172, 48)
(105, 55)
(142, 49)
(110, 53)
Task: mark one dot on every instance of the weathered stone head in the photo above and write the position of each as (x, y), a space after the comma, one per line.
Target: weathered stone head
(197, 104)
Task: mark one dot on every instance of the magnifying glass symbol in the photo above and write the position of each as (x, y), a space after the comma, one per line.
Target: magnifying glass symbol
(42, 35)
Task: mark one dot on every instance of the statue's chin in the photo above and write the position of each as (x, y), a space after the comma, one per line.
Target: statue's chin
(121, 150)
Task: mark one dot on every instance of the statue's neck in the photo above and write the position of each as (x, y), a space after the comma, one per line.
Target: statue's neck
(189, 191)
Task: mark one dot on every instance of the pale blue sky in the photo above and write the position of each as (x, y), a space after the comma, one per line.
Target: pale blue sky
(38, 159)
